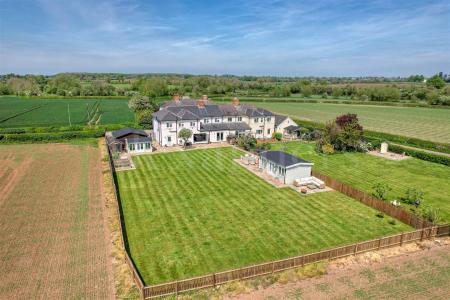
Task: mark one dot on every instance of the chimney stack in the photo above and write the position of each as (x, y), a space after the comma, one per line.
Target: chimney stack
(200, 103)
(235, 101)
(176, 97)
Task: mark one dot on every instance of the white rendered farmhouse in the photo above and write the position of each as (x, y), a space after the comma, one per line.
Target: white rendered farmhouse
(210, 122)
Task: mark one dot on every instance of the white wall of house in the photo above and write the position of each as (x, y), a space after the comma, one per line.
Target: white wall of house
(286, 122)
(166, 133)
(286, 174)
(262, 127)
(297, 172)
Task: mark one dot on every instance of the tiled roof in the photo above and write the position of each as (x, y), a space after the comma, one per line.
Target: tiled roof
(279, 119)
(126, 131)
(188, 110)
(282, 158)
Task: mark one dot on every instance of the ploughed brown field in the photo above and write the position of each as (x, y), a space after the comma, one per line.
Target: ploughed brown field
(53, 241)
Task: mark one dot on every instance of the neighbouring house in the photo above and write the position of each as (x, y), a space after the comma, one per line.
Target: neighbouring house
(286, 126)
(210, 122)
(129, 140)
(284, 166)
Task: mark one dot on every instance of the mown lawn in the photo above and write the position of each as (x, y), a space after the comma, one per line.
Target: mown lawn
(363, 171)
(425, 123)
(55, 112)
(197, 212)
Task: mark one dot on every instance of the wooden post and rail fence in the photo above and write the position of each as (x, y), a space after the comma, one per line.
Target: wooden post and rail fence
(424, 230)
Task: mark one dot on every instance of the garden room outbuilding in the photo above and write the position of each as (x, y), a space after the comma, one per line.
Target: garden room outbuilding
(284, 166)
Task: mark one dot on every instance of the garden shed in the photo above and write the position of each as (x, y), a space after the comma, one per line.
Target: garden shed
(129, 140)
(284, 166)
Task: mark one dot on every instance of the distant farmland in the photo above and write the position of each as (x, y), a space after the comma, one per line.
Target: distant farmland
(35, 112)
(431, 124)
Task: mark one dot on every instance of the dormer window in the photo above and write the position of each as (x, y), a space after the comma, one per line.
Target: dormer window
(206, 121)
(230, 119)
(217, 120)
(239, 119)
(192, 124)
(268, 119)
(256, 120)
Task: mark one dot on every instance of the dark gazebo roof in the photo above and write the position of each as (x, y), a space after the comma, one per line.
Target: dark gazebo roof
(117, 134)
(283, 159)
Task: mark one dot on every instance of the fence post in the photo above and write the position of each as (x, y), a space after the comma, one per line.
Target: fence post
(356, 248)
(401, 239)
(176, 288)
(214, 280)
(421, 234)
(273, 266)
(379, 243)
(303, 260)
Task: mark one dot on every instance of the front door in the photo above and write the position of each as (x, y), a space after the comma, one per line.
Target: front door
(219, 136)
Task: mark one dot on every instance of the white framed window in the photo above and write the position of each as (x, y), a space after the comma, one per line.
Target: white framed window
(181, 124)
(259, 131)
(256, 120)
(268, 131)
(169, 125)
(268, 119)
(230, 119)
(206, 121)
(131, 147)
(169, 138)
(192, 124)
(239, 119)
(147, 146)
(217, 120)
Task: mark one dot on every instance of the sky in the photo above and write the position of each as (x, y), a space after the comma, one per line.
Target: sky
(253, 37)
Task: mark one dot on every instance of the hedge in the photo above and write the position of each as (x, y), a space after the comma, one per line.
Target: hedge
(50, 136)
(381, 136)
(20, 130)
(444, 160)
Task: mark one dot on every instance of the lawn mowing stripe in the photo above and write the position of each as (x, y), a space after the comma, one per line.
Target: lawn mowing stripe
(227, 214)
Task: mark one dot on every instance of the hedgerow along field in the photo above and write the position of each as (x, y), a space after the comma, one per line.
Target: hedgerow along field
(37, 112)
(197, 212)
(431, 124)
(363, 171)
(53, 241)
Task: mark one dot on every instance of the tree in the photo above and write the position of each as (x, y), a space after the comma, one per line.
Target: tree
(139, 103)
(380, 190)
(343, 134)
(247, 141)
(144, 118)
(413, 196)
(436, 82)
(431, 214)
(185, 134)
(277, 135)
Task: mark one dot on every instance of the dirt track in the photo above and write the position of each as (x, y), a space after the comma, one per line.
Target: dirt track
(421, 274)
(54, 242)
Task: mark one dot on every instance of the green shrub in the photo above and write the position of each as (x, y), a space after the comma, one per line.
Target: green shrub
(277, 135)
(380, 190)
(50, 136)
(440, 159)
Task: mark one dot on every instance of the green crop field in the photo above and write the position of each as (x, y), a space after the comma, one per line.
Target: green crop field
(431, 124)
(363, 171)
(55, 112)
(196, 212)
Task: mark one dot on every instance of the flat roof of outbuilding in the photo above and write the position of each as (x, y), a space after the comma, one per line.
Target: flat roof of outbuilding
(283, 159)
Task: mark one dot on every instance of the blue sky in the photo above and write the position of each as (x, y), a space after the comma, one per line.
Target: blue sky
(300, 38)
